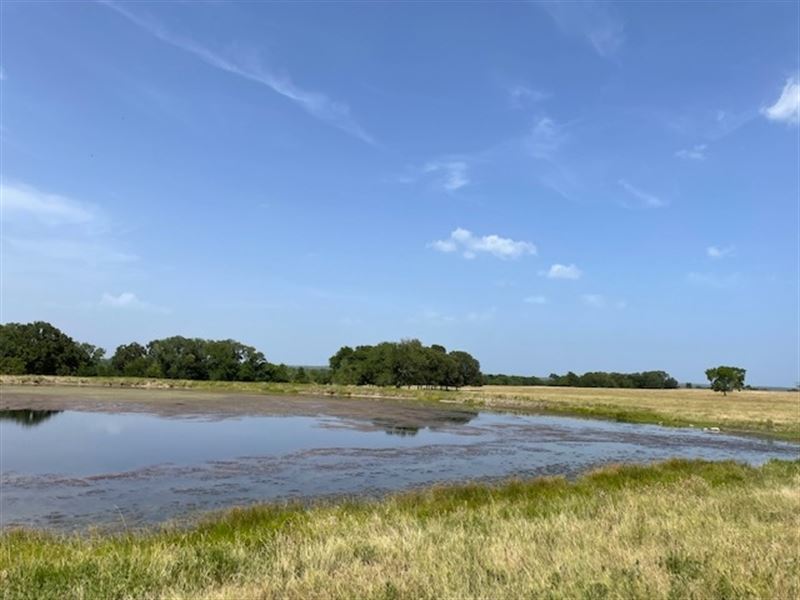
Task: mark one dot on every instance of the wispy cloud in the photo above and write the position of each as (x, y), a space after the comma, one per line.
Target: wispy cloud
(45, 229)
(24, 201)
(522, 95)
(596, 22)
(454, 173)
(786, 108)
(697, 152)
(316, 104)
(717, 252)
(2, 74)
(535, 300)
(545, 138)
(129, 301)
(470, 245)
(559, 271)
(645, 199)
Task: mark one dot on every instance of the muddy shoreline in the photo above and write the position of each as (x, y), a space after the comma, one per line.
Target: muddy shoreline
(217, 405)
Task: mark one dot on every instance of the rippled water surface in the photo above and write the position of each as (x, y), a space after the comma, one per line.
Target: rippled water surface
(71, 469)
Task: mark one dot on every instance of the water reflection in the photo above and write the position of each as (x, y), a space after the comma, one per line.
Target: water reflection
(406, 427)
(402, 430)
(88, 468)
(28, 418)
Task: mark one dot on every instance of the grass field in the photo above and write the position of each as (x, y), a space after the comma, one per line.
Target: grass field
(673, 530)
(773, 413)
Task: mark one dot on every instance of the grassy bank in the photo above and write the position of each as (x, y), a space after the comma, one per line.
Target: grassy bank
(673, 530)
(772, 413)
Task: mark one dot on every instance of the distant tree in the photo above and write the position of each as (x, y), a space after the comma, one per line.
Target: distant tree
(404, 363)
(469, 369)
(278, 373)
(300, 376)
(178, 357)
(322, 376)
(39, 348)
(130, 360)
(726, 379)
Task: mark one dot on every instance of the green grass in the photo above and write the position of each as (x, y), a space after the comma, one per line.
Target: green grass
(680, 529)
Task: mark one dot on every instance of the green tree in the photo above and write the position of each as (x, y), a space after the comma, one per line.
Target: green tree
(468, 368)
(130, 360)
(404, 363)
(39, 348)
(726, 379)
(300, 376)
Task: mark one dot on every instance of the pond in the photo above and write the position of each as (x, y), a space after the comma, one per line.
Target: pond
(70, 469)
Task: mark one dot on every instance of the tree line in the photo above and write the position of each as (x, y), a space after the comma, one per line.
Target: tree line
(39, 348)
(652, 380)
(405, 363)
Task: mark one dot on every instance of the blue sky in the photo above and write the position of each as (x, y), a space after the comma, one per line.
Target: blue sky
(550, 186)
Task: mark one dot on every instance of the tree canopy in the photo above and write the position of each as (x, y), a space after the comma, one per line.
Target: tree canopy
(39, 348)
(405, 363)
(726, 379)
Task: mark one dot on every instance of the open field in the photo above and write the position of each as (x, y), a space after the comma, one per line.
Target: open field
(671, 530)
(773, 413)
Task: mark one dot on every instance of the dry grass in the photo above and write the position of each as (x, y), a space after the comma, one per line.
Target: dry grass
(675, 530)
(776, 412)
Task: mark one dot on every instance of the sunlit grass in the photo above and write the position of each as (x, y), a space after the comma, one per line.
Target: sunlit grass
(679, 529)
(776, 413)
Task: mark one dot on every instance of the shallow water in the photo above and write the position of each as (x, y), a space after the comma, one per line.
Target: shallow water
(72, 469)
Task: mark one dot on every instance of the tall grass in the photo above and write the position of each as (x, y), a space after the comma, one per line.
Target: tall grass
(679, 529)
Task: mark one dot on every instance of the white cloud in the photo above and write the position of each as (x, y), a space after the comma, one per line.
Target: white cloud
(596, 22)
(521, 95)
(697, 152)
(717, 252)
(464, 241)
(20, 200)
(646, 199)
(2, 74)
(316, 104)
(558, 271)
(545, 138)
(454, 173)
(535, 300)
(129, 301)
(786, 108)
(54, 236)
